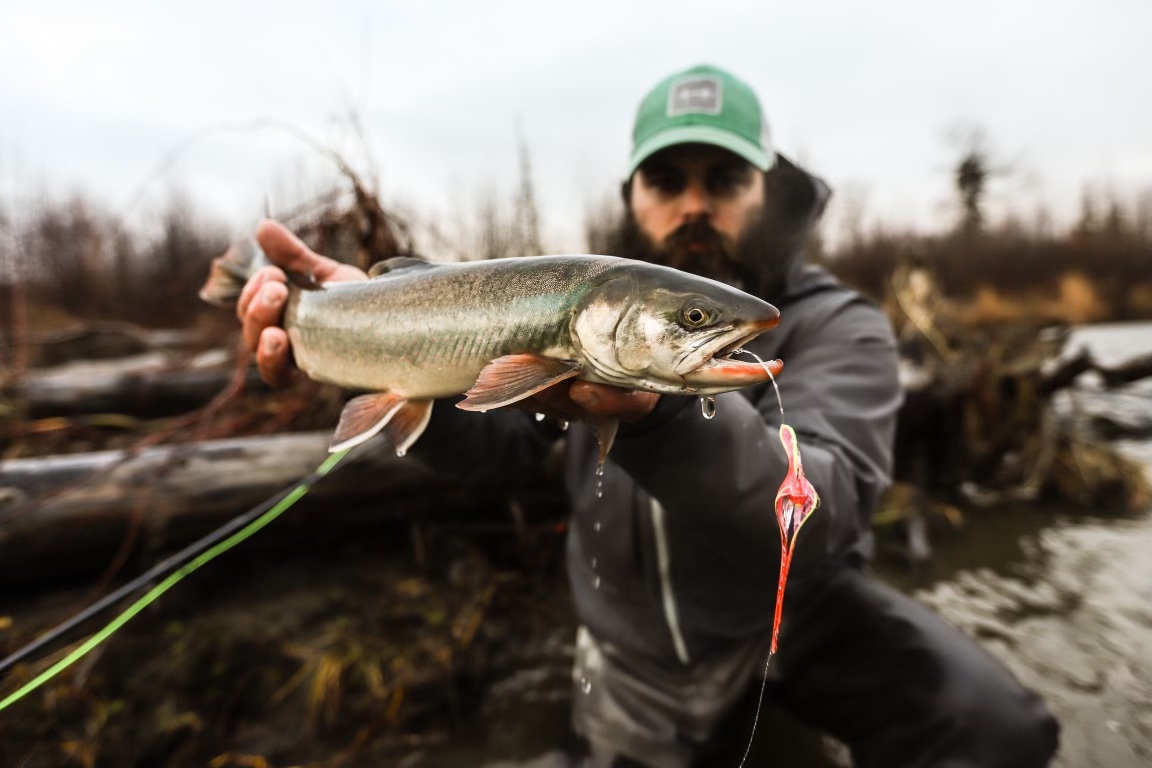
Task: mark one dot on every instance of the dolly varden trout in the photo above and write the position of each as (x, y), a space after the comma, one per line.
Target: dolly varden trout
(502, 330)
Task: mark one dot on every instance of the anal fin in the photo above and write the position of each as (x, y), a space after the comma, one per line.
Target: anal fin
(511, 378)
(407, 424)
(363, 417)
(605, 429)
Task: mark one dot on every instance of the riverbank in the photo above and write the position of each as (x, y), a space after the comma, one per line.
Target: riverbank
(445, 639)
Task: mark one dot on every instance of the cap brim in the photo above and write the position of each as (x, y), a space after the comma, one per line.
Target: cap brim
(699, 134)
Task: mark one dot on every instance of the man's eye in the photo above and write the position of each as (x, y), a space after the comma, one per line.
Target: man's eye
(665, 182)
(728, 181)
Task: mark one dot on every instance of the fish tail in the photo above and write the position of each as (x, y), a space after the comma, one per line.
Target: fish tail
(230, 271)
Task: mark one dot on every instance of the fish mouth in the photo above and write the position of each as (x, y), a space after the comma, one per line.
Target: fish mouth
(708, 364)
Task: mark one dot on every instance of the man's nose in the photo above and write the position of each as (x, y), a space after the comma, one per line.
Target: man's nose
(695, 201)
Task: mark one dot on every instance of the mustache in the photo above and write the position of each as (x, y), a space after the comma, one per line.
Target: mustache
(695, 231)
(697, 243)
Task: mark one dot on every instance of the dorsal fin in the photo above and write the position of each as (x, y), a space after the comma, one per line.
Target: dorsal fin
(395, 264)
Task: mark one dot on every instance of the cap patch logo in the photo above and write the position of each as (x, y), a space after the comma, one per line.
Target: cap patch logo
(696, 95)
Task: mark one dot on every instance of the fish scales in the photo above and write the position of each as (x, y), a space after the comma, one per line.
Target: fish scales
(398, 330)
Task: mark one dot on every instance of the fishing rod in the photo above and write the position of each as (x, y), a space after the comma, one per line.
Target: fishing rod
(172, 570)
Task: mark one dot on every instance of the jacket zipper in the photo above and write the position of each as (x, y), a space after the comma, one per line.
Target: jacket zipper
(671, 615)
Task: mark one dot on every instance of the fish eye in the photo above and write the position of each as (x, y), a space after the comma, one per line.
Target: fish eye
(694, 316)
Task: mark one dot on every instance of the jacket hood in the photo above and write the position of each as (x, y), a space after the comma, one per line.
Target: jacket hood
(794, 202)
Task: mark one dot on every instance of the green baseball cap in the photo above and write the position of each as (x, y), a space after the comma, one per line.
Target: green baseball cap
(701, 105)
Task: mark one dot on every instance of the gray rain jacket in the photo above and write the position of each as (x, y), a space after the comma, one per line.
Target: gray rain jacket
(679, 557)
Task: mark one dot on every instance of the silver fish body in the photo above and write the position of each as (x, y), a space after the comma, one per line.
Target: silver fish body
(504, 329)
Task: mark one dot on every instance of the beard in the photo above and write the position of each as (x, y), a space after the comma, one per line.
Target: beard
(694, 247)
(747, 263)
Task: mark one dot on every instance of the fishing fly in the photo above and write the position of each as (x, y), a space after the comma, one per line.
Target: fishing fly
(795, 502)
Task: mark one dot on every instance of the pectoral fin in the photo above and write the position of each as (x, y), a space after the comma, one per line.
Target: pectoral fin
(515, 377)
(402, 420)
(606, 434)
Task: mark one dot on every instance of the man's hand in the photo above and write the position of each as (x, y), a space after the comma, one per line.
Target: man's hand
(261, 305)
(574, 400)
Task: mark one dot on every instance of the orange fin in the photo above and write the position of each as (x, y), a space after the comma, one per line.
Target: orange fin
(515, 377)
(605, 433)
(363, 417)
(407, 424)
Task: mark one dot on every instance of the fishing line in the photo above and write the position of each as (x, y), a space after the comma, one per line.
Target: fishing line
(175, 567)
(759, 704)
(770, 376)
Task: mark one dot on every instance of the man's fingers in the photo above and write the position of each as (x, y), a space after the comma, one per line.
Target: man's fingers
(272, 357)
(289, 252)
(605, 400)
(264, 310)
(286, 250)
(253, 286)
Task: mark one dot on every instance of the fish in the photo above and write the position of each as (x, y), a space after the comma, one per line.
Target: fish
(501, 330)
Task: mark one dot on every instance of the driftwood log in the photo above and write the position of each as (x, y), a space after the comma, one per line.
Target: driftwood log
(155, 383)
(147, 384)
(67, 515)
(72, 514)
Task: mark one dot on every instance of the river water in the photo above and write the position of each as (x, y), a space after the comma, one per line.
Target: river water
(1063, 599)
(1070, 612)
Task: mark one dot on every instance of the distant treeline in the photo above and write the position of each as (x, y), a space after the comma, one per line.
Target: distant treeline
(71, 258)
(1099, 269)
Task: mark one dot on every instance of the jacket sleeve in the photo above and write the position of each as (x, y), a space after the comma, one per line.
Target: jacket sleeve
(840, 393)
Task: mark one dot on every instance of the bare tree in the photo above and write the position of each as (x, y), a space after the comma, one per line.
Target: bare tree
(527, 221)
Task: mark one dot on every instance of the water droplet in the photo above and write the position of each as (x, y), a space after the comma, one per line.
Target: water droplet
(539, 417)
(594, 561)
(600, 469)
(401, 452)
(708, 407)
(585, 685)
(596, 526)
(563, 425)
(596, 582)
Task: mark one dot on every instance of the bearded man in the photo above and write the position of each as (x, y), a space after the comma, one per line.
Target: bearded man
(673, 569)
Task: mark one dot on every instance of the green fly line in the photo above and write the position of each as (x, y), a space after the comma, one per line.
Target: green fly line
(149, 597)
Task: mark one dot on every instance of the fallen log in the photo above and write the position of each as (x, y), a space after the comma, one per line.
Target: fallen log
(1112, 376)
(150, 384)
(65, 515)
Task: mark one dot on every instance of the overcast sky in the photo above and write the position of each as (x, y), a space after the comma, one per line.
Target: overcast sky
(97, 97)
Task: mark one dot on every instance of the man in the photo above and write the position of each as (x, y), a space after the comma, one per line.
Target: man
(673, 569)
